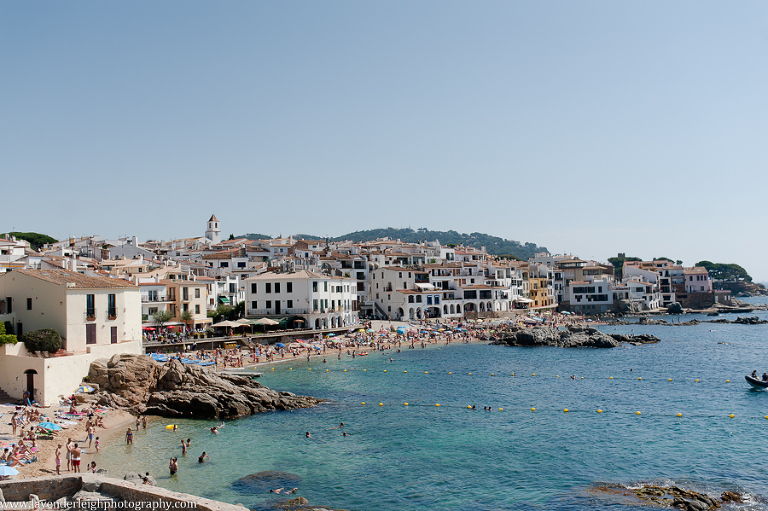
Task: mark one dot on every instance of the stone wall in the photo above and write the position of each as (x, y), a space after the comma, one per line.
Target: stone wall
(55, 487)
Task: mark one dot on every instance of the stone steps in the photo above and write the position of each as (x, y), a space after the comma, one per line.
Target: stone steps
(5, 398)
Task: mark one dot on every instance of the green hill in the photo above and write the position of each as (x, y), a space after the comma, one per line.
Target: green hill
(493, 244)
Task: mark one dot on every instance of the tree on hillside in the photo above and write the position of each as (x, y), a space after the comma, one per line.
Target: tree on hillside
(36, 240)
(725, 272)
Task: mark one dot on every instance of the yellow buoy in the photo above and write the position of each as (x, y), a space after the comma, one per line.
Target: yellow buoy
(290, 368)
(639, 378)
(345, 370)
(557, 376)
(534, 374)
(766, 416)
(492, 374)
(450, 373)
(364, 369)
(697, 381)
(565, 410)
(273, 368)
(437, 404)
(533, 409)
(469, 374)
(599, 410)
(582, 377)
(385, 370)
(679, 414)
(326, 370)
(610, 378)
(362, 403)
(501, 409)
(669, 379)
(511, 374)
(637, 413)
(309, 369)
(426, 372)
(727, 381)
(381, 404)
(405, 404)
(469, 407)
(171, 426)
(731, 416)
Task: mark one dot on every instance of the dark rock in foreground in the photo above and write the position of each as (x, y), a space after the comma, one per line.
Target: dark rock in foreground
(262, 482)
(176, 390)
(670, 497)
(573, 337)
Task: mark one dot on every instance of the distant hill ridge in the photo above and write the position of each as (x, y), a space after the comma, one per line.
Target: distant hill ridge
(493, 244)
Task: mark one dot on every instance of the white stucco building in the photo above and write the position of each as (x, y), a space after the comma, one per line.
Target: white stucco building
(96, 317)
(321, 301)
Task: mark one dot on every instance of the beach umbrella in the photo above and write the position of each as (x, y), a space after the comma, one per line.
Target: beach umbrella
(84, 389)
(49, 425)
(280, 345)
(7, 471)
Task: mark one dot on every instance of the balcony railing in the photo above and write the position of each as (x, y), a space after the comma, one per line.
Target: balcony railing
(155, 299)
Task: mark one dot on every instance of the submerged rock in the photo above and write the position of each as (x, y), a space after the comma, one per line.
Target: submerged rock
(263, 482)
(178, 390)
(573, 337)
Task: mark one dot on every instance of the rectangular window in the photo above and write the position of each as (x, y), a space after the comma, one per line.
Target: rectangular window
(269, 304)
(113, 335)
(90, 307)
(185, 293)
(9, 302)
(224, 265)
(325, 286)
(277, 287)
(241, 264)
(253, 289)
(314, 287)
(111, 306)
(185, 307)
(290, 304)
(254, 305)
(232, 287)
(197, 292)
(314, 305)
(268, 287)
(29, 304)
(289, 287)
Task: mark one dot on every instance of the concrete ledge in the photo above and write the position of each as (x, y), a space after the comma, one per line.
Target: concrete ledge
(66, 486)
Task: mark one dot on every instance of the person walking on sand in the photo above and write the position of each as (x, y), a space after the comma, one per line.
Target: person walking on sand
(58, 460)
(69, 454)
(76, 452)
(129, 437)
(90, 432)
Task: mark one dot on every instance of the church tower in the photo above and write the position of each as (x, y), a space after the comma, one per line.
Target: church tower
(213, 232)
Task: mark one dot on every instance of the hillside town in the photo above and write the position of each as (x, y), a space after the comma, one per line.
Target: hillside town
(107, 297)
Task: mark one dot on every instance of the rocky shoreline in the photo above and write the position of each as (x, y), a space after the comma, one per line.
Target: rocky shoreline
(572, 337)
(176, 390)
(670, 497)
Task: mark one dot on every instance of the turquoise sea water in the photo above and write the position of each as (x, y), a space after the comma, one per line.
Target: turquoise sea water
(422, 456)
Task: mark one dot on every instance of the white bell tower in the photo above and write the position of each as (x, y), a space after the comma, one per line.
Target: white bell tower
(213, 232)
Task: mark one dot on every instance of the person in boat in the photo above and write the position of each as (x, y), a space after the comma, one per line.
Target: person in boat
(765, 376)
(754, 374)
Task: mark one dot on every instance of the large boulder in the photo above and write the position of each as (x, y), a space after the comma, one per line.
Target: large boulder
(138, 383)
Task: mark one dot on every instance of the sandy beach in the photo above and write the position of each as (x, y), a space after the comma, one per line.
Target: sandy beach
(115, 422)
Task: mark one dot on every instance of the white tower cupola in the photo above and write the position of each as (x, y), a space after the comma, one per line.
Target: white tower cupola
(213, 232)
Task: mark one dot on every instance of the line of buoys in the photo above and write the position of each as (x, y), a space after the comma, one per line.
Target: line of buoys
(537, 375)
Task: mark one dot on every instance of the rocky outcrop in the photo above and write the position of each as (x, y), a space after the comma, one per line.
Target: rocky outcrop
(573, 337)
(138, 383)
(687, 500)
(752, 320)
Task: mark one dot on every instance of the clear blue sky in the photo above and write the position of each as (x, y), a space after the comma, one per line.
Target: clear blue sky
(591, 127)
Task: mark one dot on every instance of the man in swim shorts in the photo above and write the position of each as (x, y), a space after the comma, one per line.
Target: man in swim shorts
(76, 452)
